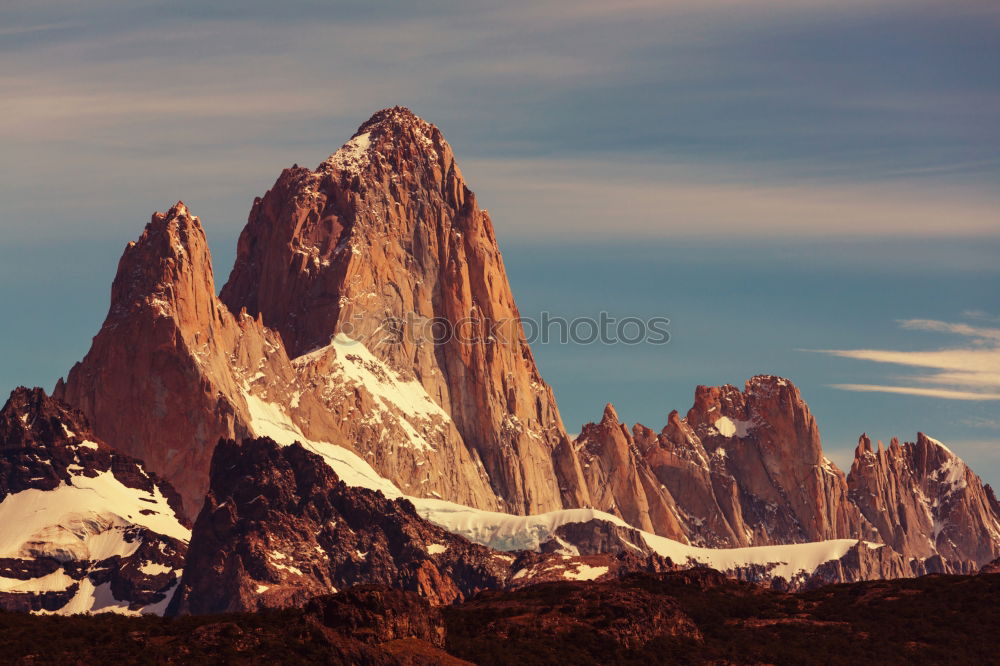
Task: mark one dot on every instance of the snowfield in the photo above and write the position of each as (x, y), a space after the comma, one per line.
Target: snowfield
(83, 522)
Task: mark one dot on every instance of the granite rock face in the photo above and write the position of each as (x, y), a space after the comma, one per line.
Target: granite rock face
(926, 502)
(157, 382)
(621, 483)
(788, 490)
(385, 243)
(345, 278)
(744, 468)
(172, 371)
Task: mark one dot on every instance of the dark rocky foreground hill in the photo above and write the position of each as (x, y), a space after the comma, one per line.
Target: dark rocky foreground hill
(693, 616)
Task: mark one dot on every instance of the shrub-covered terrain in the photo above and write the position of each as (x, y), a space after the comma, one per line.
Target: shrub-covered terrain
(693, 616)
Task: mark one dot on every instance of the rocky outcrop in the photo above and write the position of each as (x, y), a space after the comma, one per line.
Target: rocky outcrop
(192, 372)
(82, 527)
(157, 382)
(620, 483)
(565, 612)
(788, 491)
(992, 567)
(279, 527)
(386, 244)
(926, 502)
(743, 468)
(378, 615)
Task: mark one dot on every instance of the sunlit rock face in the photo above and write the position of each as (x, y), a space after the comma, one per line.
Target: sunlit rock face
(926, 502)
(382, 239)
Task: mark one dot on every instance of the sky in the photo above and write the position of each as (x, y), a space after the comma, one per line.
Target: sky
(807, 188)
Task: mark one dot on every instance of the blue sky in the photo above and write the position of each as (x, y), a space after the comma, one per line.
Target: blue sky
(775, 176)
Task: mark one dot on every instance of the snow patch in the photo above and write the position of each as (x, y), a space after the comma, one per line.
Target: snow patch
(584, 572)
(728, 427)
(952, 474)
(154, 569)
(509, 532)
(83, 521)
(404, 399)
(353, 155)
(57, 581)
(269, 420)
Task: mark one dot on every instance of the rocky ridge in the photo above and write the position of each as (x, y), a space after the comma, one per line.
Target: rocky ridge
(279, 527)
(84, 528)
(743, 468)
(926, 503)
(747, 469)
(692, 616)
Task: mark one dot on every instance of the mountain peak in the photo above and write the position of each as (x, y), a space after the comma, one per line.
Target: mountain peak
(31, 418)
(394, 118)
(927, 442)
(387, 131)
(168, 264)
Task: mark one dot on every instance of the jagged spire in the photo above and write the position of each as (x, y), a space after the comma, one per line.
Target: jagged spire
(864, 445)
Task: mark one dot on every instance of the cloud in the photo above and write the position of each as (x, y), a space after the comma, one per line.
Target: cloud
(971, 372)
(982, 422)
(676, 117)
(983, 334)
(927, 392)
(671, 198)
(981, 315)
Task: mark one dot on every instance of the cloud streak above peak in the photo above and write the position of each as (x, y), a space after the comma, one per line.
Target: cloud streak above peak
(944, 394)
(841, 130)
(970, 372)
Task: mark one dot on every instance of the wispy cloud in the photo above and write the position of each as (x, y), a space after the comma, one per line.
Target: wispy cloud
(682, 198)
(984, 335)
(720, 117)
(969, 372)
(927, 392)
(982, 422)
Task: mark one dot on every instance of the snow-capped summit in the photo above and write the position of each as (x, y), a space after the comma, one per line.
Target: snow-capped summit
(391, 130)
